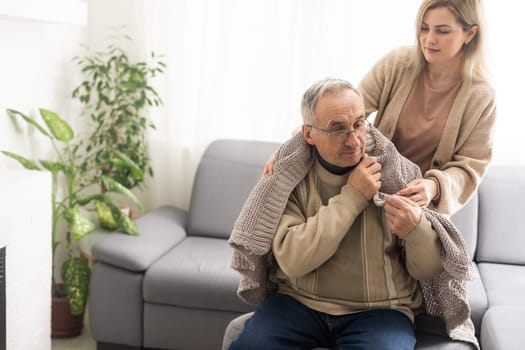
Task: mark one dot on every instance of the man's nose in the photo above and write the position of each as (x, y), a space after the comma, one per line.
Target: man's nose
(353, 139)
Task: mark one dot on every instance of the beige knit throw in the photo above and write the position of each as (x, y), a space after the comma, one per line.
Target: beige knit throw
(445, 296)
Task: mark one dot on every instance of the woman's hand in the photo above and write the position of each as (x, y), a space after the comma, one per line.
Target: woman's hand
(421, 191)
(268, 166)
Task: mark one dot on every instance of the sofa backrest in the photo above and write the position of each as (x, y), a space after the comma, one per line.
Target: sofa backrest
(466, 220)
(501, 212)
(227, 172)
(229, 169)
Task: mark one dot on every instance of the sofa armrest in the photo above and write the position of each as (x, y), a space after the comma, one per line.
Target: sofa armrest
(160, 230)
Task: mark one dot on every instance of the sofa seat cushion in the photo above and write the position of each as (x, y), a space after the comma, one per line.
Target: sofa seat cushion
(505, 284)
(195, 274)
(430, 334)
(502, 328)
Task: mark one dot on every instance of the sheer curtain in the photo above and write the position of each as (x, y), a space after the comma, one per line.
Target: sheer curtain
(238, 68)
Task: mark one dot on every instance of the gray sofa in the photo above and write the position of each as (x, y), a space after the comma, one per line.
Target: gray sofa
(172, 287)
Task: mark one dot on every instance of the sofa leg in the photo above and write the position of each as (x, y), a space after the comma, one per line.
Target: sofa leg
(111, 346)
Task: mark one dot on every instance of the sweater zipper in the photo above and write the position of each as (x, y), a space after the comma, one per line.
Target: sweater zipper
(364, 256)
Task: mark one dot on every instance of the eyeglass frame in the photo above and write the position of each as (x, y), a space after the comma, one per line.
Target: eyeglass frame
(342, 132)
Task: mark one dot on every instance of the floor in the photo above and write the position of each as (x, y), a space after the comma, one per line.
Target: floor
(82, 342)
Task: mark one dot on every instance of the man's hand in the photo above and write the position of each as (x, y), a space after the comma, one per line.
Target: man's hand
(366, 177)
(421, 191)
(402, 214)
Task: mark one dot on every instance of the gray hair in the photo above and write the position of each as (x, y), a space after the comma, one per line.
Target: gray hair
(316, 91)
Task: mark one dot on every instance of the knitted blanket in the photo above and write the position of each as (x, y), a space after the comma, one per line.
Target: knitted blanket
(445, 296)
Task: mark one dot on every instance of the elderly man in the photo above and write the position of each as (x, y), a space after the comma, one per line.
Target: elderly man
(343, 271)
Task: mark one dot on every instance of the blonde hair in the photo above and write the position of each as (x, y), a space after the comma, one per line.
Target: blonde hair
(468, 13)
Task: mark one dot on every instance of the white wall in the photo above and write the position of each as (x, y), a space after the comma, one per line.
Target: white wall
(107, 18)
(506, 55)
(36, 71)
(28, 264)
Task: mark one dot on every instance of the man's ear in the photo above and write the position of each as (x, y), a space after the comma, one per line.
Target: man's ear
(307, 133)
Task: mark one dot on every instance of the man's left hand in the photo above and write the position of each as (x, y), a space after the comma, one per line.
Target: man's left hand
(402, 214)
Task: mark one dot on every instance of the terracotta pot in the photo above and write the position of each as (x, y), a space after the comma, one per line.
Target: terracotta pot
(63, 324)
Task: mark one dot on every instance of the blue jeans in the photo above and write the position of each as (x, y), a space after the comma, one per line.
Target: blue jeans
(282, 322)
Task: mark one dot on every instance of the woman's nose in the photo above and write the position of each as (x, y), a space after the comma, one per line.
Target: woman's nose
(430, 38)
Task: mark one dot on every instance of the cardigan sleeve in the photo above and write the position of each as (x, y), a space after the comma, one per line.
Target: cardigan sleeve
(383, 80)
(460, 175)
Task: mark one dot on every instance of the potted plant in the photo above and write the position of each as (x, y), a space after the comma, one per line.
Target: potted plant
(71, 169)
(116, 93)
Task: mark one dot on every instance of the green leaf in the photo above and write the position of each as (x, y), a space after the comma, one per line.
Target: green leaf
(53, 167)
(105, 216)
(76, 275)
(84, 200)
(122, 220)
(58, 126)
(79, 225)
(113, 186)
(129, 164)
(28, 164)
(13, 114)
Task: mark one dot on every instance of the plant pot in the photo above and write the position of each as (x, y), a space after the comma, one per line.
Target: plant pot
(63, 324)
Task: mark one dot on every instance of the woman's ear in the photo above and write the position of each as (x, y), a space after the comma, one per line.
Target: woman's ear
(307, 133)
(471, 33)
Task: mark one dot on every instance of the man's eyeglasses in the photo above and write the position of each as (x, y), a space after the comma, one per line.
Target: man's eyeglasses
(341, 134)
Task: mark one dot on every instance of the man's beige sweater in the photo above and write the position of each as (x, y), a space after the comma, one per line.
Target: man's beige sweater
(333, 255)
(444, 296)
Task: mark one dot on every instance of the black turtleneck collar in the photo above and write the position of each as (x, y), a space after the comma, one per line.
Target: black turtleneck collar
(334, 169)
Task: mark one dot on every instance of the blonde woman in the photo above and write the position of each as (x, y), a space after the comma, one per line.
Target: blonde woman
(436, 104)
